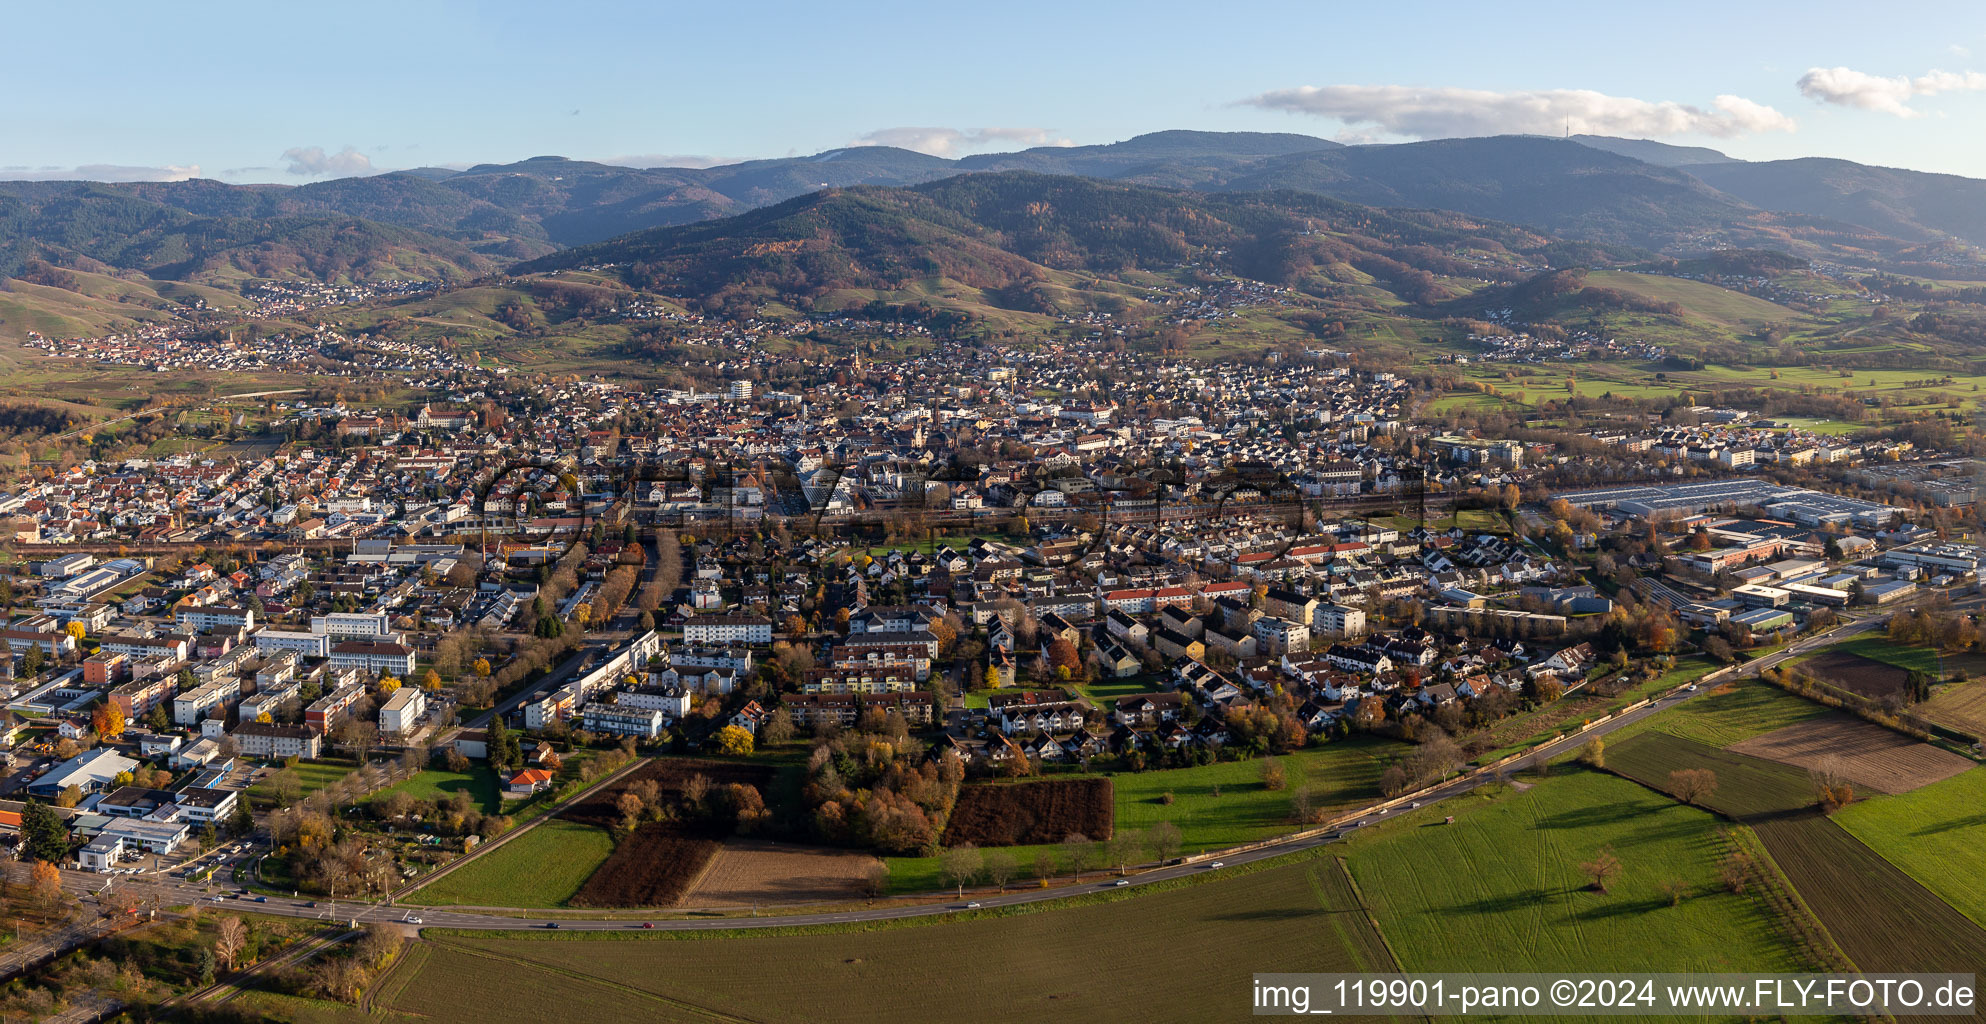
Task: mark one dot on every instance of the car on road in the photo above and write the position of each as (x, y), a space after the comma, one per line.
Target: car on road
(1691, 688)
(646, 924)
(551, 924)
(1216, 864)
(1121, 881)
(970, 906)
(216, 899)
(412, 919)
(261, 899)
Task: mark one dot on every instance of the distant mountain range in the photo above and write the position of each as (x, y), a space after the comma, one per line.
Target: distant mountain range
(458, 224)
(1016, 237)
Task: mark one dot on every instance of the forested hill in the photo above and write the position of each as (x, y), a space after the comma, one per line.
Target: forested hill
(1004, 232)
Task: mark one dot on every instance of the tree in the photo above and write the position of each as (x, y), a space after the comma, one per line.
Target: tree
(734, 740)
(230, 938)
(46, 834)
(876, 879)
(1124, 847)
(431, 682)
(388, 685)
(1001, 868)
(69, 797)
(778, 727)
(1602, 868)
(1079, 852)
(1272, 774)
(45, 885)
(1063, 655)
(1692, 785)
(630, 807)
(31, 662)
(108, 720)
(961, 865)
(241, 820)
(496, 739)
(1595, 752)
(481, 668)
(75, 631)
(1165, 840)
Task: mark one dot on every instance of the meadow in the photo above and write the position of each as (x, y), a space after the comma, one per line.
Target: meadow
(1501, 888)
(1936, 834)
(541, 868)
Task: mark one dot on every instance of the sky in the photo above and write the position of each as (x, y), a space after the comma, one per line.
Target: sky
(301, 92)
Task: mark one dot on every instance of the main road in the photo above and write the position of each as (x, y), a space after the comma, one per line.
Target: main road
(365, 913)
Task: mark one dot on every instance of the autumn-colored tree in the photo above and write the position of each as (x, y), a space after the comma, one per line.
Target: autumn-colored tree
(1062, 654)
(481, 668)
(44, 885)
(108, 720)
(75, 630)
(388, 684)
(734, 740)
(431, 681)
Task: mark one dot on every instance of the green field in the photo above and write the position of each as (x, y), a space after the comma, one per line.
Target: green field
(1936, 834)
(1340, 774)
(1500, 889)
(541, 868)
(311, 777)
(1878, 648)
(1727, 714)
(1204, 938)
(480, 782)
(1747, 787)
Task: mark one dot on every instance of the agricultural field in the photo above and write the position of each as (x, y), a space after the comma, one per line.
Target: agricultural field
(1960, 706)
(654, 866)
(1204, 938)
(1030, 813)
(1882, 649)
(1729, 712)
(1936, 834)
(1866, 754)
(1879, 916)
(1747, 787)
(749, 872)
(1857, 674)
(1503, 882)
(544, 867)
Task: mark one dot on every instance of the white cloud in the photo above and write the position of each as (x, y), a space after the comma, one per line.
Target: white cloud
(647, 160)
(101, 172)
(314, 162)
(1450, 112)
(951, 142)
(1847, 87)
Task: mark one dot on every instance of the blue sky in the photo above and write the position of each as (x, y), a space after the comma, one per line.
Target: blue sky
(293, 93)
